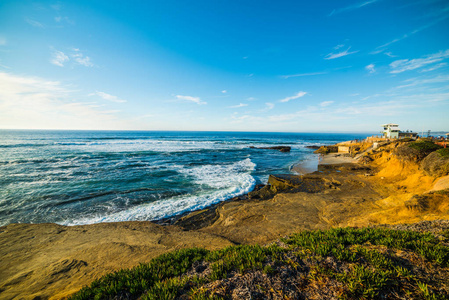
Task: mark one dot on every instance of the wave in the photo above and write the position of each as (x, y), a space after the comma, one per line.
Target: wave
(218, 182)
(23, 145)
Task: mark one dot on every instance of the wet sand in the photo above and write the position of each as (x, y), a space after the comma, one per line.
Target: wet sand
(336, 158)
(307, 166)
(310, 165)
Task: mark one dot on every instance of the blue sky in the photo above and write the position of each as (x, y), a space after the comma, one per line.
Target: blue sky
(289, 66)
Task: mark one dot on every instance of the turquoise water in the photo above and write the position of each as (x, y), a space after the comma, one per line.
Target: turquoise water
(85, 177)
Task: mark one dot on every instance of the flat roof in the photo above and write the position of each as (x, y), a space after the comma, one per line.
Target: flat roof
(389, 124)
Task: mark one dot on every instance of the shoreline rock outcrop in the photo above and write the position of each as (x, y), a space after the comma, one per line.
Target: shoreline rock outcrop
(280, 148)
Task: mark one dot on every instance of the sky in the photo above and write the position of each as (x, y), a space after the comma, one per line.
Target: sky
(225, 65)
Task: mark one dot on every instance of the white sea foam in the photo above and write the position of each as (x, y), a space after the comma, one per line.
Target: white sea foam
(221, 182)
(148, 145)
(158, 145)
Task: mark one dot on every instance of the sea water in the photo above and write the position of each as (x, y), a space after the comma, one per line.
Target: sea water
(85, 177)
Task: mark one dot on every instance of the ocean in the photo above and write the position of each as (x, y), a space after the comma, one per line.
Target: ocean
(86, 177)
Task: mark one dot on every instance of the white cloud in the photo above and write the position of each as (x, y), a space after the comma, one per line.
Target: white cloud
(108, 97)
(85, 61)
(339, 46)
(370, 68)
(196, 100)
(251, 99)
(326, 103)
(239, 105)
(30, 102)
(296, 96)
(390, 54)
(419, 81)
(339, 54)
(444, 16)
(59, 58)
(269, 106)
(303, 74)
(81, 59)
(59, 19)
(402, 65)
(224, 91)
(34, 23)
(2, 41)
(352, 7)
(435, 67)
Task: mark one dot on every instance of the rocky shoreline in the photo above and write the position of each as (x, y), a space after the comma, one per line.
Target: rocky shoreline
(50, 261)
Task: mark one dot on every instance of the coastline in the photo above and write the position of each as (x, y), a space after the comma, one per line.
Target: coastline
(54, 261)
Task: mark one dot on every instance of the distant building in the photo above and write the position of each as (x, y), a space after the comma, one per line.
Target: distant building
(392, 131)
(408, 134)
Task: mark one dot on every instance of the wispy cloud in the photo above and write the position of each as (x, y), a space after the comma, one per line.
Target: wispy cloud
(402, 65)
(303, 74)
(224, 91)
(352, 7)
(383, 47)
(81, 59)
(296, 96)
(59, 19)
(326, 103)
(32, 102)
(108, 97)
(238, 105)
(423, 81)
(370, 68)
(59, 58)
(340, 54)
(339, 46)
(2, 41)
(34, 23)
(196, 100)
(269, 106)
(435, 67)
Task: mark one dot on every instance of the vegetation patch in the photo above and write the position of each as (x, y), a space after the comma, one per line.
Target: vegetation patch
(344, 263)
(424, 146)
(416, 151)
(444, 152)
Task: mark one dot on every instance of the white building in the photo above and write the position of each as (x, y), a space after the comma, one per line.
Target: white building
(391, 131)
